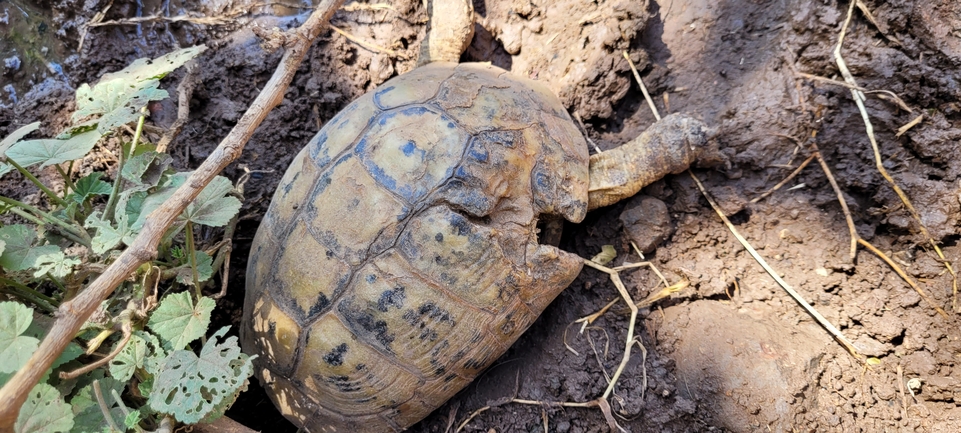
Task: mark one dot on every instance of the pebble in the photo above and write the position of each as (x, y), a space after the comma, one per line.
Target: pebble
(646, 222)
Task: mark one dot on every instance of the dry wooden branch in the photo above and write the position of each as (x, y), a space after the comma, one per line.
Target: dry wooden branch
(74, 313)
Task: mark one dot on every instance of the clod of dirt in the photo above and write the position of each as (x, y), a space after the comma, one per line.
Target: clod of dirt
(646, 222)
(942, 23)
(747, 375)
(572, 46)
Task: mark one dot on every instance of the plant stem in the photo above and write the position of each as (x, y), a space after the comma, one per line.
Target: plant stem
(41, 218)
(192, 257)
(109, 211)
(68, 183)
(14, 288)
(53, 196)
(136, 134)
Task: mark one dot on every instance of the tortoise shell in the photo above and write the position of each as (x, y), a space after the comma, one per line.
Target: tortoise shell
(399, 257)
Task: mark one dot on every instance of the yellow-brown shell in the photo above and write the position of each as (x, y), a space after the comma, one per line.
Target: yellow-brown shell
(399, 257)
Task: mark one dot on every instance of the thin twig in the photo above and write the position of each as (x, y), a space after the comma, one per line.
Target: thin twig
(794, 294)
(869, 129)
(894, 97)
(369, 45)
(74, 313)
(844, 204)
(616, 279)
(647, 96)
(786, 179)
(903, 276)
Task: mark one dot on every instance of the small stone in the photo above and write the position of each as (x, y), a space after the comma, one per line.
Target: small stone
(11, 65)
(646, 222)
(822, 272)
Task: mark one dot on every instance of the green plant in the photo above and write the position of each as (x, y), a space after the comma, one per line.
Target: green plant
(147, 372)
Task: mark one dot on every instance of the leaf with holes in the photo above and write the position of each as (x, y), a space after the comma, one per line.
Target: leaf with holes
(107, 236)
(177, 321)
(195, 389)
(212, 207)
(155, 69)
(44, 412)
(50, 151)
(116, 101)
(15, 348)
(130, 358)
(19, 253)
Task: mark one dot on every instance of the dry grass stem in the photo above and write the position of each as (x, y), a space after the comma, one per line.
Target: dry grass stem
(844, 204)
(616, 279)
(881, 94)
(909, 125)
(794, 294)
(786, 179)
(869, 129)
(647, 96)
(903, 276)
(369, 45)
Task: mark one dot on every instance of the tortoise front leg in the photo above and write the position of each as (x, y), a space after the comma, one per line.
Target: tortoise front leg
(669, 146)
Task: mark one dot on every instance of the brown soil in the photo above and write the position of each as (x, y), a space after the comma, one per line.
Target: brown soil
(732, 352)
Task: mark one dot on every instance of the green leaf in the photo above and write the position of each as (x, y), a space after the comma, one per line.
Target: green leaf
(177, 321)
(147, 69)
(605, 256)
(147, 168)
(204, 269)
(132, 419)
(51, 151)
(195, 389)
(57, 264)
(88, 418)
(89, 186)
(117, 101)
(107, 236)
(132, 357)
(19, 252)
(44, 412)
(155, 350)
(15, 348)
(21, 132)
(3, 245)
(213, 207)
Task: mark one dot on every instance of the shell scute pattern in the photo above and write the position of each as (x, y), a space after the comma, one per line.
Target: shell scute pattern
(399, 257)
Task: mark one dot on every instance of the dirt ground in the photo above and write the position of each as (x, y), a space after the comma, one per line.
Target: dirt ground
(733, 352)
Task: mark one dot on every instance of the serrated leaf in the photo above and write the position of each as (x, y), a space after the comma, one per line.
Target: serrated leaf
(117, 101)
(213, 207)
(132, 419)
(19, 252)
(177, 321)
(15, 348)
(204, 269)
(146, 169)
(90, 186)
(195, 389)
(51, 151)
(155, 69)
(16, 136)
(107, 236)
(155, 350)
(44, 412)
(605, 256)
(57, 264)
(88, 417)
(130, 358)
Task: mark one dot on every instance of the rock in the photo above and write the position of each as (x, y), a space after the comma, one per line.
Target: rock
(742, 371)
(646, 222)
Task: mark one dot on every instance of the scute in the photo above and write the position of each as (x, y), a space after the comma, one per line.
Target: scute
(399, 257)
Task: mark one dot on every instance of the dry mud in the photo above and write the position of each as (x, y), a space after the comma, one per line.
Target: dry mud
(730, 353)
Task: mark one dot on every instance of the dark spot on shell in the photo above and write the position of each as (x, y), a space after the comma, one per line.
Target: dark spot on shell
(364, 323)
(371, 278)
(450, 377)
(408, 148)
(320, 304)
(360, 367)
(394, 297)
(439, 237)
(336, 355)
(344, 384)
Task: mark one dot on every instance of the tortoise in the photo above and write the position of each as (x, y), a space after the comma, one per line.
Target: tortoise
(399, 257)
